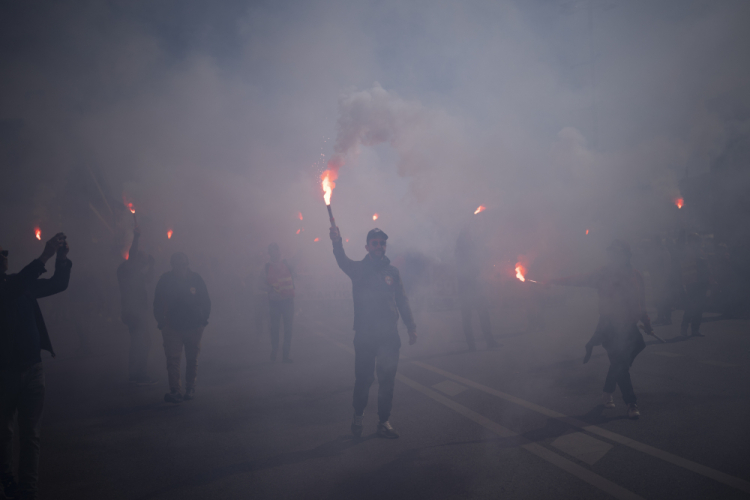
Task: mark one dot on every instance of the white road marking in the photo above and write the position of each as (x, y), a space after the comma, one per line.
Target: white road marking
(582, 446)
(450, 388)
(708, 472)
(580, 472)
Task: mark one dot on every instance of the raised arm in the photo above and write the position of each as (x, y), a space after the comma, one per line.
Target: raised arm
(59, 281)
(134, 246)
(160, 303)
(345, 263)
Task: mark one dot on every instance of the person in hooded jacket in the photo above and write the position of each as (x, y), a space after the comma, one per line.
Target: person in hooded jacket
(378, 299)
(23, 335)
(181, 308)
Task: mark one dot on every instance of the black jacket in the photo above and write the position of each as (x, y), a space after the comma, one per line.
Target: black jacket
(378, 294)
(181, 303)
(26, 282)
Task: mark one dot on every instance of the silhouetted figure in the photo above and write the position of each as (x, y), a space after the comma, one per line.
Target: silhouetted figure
(621, 307)
(23, 335)
(132, 277)
(695, 283)
(469, 266)
(181, 309)
(378, 299)
(255, 284)
(660, 269)
(279, 284)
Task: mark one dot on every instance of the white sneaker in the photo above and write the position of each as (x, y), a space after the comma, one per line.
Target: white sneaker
(608, 401)
(633, 411)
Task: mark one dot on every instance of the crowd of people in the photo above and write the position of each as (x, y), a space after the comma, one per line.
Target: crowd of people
(181, 308)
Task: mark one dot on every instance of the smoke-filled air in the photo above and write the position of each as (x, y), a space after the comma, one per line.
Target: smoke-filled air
(374, 249)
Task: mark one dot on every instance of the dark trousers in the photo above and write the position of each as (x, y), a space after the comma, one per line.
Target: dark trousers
(664, 311)
(369, 358)
(693, 316)
(174, 340)
(21, 392)
(483, 309)
(140, 345)
(278, 310)
(619, 374)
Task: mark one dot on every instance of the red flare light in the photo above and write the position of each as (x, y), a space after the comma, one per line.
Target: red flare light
(299, 214)
(520, 271)
(130, 207)
(327, 181)
(126, 254)
(375, 217)
(169, 234)
(679, 202)
(298, 230)
(480, 209)
(38, 233)
(587, 231)
(316, 239)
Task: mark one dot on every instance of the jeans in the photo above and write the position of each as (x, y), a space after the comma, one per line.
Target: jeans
(140, 345)
(174, 340)
(369, 358)
(478, 302)
(279, 309)
(619, 374)
(21, 392)
(694, 303)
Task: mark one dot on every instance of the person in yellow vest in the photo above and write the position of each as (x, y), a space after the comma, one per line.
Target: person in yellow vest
(280, 287)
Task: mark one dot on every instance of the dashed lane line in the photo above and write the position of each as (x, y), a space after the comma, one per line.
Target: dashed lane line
(708, 472)
(540, 451)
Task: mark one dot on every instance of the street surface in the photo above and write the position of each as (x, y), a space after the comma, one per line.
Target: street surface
(524, 421)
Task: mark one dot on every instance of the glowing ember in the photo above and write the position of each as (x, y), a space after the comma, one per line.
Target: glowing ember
(375, 217)
(169, 234)
(126, 254)
(38, 233)
(679, 202)
(587, 231)
(299, 214)
(298, 230)
(327, 181)
(480, 209)
(347, 240)
(130, 207)
(520, 271)
(316, 239)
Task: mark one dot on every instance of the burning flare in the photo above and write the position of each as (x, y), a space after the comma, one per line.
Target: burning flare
(679, 202)
(298, 230)
(299, 214)
(169, 234)
(327, 181)
(481, 208)
(375, 217)
(520, 271)
(130, 207)
(587, 231)
(316, 239)
(38, 233)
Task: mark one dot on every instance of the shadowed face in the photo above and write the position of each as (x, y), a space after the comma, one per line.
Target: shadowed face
(376, 248)
(180, 263)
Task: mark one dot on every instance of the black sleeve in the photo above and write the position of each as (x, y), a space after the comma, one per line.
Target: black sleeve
(56, 284)
(345, 263)
(402, 302)
(16, 284)
(203, 298)
(160, 302)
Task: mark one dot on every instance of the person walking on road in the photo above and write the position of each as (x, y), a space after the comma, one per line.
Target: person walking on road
(621, 306)
(133, 275)
(181, 308)
(23, 335)
(378, 299)
(280, 287)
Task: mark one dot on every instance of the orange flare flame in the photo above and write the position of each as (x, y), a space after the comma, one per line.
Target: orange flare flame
(299, 214)
(169, 234)
(316, 239)
(679, 202)
(587, 231)
(375, 217)
(38, 233)
(130, 207)
(327, 181)
(520, 271)
(126, 254)
(481, 208)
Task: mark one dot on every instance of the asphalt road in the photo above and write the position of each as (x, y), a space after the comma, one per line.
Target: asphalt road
(523, 421)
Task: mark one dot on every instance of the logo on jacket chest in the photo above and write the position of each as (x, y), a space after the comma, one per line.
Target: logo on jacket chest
(192, 290)
(389, 280)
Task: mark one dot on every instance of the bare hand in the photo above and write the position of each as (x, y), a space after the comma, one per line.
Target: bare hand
(335, 234)
(62, 252)
(412, 338)
(52, 246)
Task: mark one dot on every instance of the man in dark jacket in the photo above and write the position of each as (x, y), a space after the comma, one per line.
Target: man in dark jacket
(181, 309)
(279, 284)
(132, 277)
(378, 299)
(23, 335)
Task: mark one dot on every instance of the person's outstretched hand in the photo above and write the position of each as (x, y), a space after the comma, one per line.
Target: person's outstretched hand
(335, 234)
(412, 338)
(62, 252)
